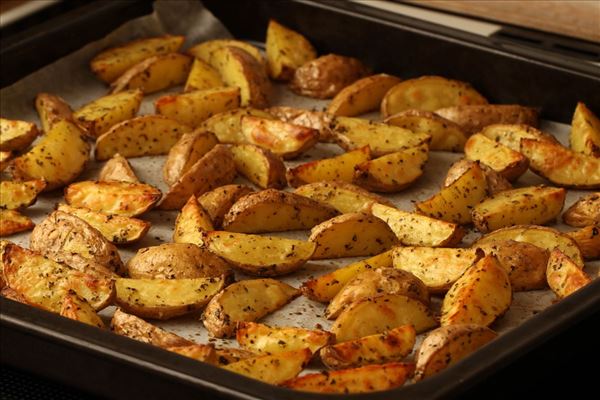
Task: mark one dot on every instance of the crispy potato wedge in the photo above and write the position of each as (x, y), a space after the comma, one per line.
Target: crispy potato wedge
(392, 172)
(321, 121)
(12, 222)
(199, 352)
(274, 369)
(78, 309)
(585, 131)
(155, 73)
(510, 135)
(379, 314)
(287, 50)
(215, 168)
(260, 166)
(371, 283)
(564, 276)
(101, 114)
(445, 134)
(507, 162)
(260, 255)
(362, 96)
(227, 126)
(273, 210)
(588, 240)
(193, 108)
(535, 205)
(116, 229)
(584, 212)
(16, 195)
(204, 50)
(13, 295)
(438, 268)
(230, 355)
(473, 118)
(118, 169)
(326, 76)
(177, 261)
(338, 168)
(219, 201)
(141, 136)
(202, 76)
(165, 298)
(480, 296)
(447, 345)
(247, 300)
(118, 198)
(495, 182)
(16, 135)
(392, 345)
(285, 140)
(344, 197)
(189, 148)
(455, 202)
(351, 235)
(5, 158)
(44, 283)
(263, 339)
(562, 166)
(52, 109)
(191, 223)
(58, 157)
(136, 328)
(428, 93)
(418, 230)
(370, 378)
(353, 133)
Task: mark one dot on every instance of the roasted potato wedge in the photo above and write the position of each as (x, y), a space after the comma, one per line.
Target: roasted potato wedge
(230, 355)
(141, 136)
(321, 121)
(58, 157)
(362, 96)
(227, 126)
(511, 135)
(495, 182)
(507, 162)
(15, 195)
(202, 76)
(12, 222)
(273, 210)
(136, 328)
(564, 276)
(584, 212)
(260, 166)
(118, 169)
(447, 345)
(191, 223)
(219, 201)
(118, 198)
(588, 240)
(263, 339)
(189, 148)
(285, 140)
(78, 309)
(5, 158)
(52, 109)
(344, 197)
(16, 135)
(274, 369)
(428, 93)
(204, 50)
(473, 118)
(585, 132)
(199, 352)
(247, 300)
(287, 50)
(480, 296)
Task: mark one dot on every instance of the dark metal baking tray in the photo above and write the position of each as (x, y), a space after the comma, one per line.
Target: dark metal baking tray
(61, 349)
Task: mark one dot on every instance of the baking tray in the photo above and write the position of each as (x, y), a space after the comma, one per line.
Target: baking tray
(141, 371)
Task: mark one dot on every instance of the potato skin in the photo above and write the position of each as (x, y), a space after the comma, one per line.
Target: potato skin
(189, 148)
(507, 162)
(495, 182)
(362, 96)
(588, 240)
(117, 169)
(219, 201)
(136, 328)
(16, 135)
(584, 212)
(563, 275)
(473, 118)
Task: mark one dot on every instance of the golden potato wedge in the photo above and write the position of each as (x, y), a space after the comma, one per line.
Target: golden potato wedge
(118, 198)
(118, 169)
(16, 195)
(429, 93)
(495, 182)
(230, 355)
(155, 73)
(473, 118)
(321, 121)
(101, 114)
(535, 205)
(338, 168)
(247, 300)
(204, 50)
(379, 314)
(215, 168)
(326, 76)
(202, 76)
(371, 283)
(116, 229)
(438, 268)
(344, 197)
(136, 328)
(141, 136)
(16, 135)
(480, 296)
(260, 255)
(58, 157)
(193, 108)
(263, 339)
(416, 229)
(588, 240)
(52, 109)
(362, 96)
(351, 235)
(325, 287)
(353, 133)
(585, 131)
(273, 210)
(191, 223)
(165, 298)
(564, 276)
(13, 295)
(510, 135)
(260, 166)
(392, 345)
(507, 162)
(287, 50)
(199, 352)
(392, 172)
(5, 158)
(219, 201)
(584, 212)
(177, 261)
(189, 148)
(455, 202)
(274, 369)
(447, 345)
(12, 222)
(44, 283)
(78, 309)
(370, 378)
(227, 126)
(562, 166)
(445, 134)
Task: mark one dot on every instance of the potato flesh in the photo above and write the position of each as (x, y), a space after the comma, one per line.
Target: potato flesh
(510, 135)
(204, 50)
(16, 135)
(51, 110)
(318, 120)
(189, 148)
(263, 339)
(227, 126)
(509, 163)
(274, 369)
(584, 212)
(12, 222)
(585, 131)
(283, 139)
(588, 240)
(495, 182)
(564, 276)
(15, 195)
(117, 169)
(79, 310)
(202, 76)
(191, 223)
(219, 201)
(344, 197)
(136, 328)
(259, 166)
(286, 51)
(362, 96)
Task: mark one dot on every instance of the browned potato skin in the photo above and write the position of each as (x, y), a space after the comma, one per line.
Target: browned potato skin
(584, 212)
(16, 135)
(199, 352)
(219, 201)
(117, 169)
(177, 261)
(189, 148)
(326, 76)
(52, 109)
(474, 118)
(318, 120)
(13, 295)
(495, 182)
(588, 240)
